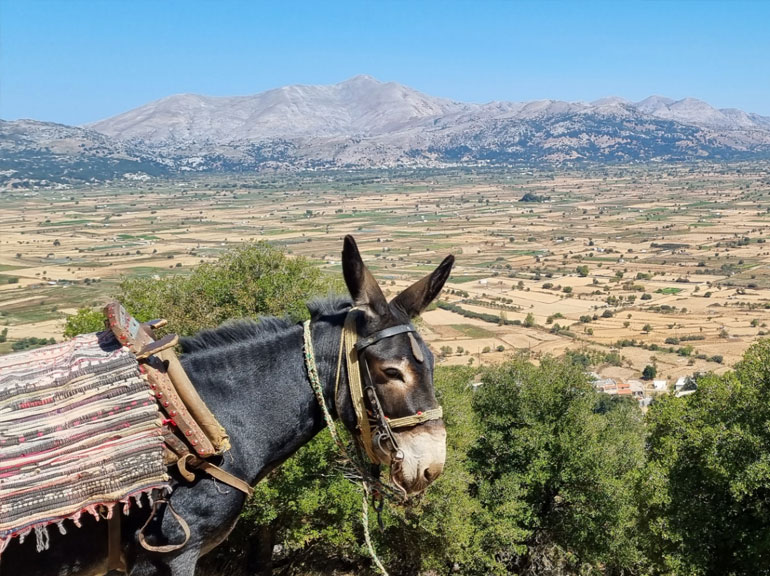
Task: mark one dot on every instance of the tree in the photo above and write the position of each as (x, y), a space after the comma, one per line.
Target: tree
(529, 321)
(704, 493)
(553, 472)
(530, 197)
(649, 372)
(582, 271)
(4, 335)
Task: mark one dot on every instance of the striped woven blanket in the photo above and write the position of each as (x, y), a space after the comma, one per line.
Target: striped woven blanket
(79, 432)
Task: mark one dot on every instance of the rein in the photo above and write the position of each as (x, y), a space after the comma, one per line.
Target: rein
(375, 429)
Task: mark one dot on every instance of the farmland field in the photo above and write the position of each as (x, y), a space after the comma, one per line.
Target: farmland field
(665, 265)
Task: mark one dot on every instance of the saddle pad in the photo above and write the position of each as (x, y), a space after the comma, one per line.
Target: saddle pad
(79, 428)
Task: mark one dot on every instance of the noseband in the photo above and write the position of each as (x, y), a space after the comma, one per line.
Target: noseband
(375, 427)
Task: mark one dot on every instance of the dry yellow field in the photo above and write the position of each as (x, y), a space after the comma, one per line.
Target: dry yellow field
(671, 253)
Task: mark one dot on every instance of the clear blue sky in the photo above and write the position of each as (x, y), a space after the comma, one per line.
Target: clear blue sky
(76, 61)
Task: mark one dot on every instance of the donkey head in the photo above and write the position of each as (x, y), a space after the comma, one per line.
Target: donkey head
(399, 367)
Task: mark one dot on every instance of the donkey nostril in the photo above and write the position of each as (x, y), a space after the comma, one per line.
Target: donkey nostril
(433, 471)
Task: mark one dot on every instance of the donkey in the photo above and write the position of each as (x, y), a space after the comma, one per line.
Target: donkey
(253, 378)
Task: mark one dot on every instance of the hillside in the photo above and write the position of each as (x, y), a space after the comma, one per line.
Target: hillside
(44, 153)
(365, 123)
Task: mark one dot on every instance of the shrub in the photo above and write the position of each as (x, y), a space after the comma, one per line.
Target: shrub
(247, 281)
(84, 321)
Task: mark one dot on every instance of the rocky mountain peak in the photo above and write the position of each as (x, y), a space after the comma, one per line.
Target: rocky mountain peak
(362, 122)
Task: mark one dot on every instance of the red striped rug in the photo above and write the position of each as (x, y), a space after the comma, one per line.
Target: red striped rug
(80, 431)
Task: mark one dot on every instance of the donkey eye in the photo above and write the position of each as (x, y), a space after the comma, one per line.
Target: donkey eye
(393, 374)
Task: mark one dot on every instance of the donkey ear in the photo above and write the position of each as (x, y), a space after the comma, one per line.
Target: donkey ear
(360, 282)
(416, 298)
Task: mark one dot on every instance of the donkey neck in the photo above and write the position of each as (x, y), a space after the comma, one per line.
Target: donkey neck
(259, 391)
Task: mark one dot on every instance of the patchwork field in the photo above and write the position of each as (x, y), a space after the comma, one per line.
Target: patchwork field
(663, 266)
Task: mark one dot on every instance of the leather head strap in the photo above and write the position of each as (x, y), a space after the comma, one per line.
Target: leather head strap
(381, 427)
(376, 428)
(381, 335)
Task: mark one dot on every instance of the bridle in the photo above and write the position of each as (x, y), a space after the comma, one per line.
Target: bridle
(375, 427)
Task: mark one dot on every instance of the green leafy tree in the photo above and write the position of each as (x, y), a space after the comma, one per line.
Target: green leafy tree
(705, 489)
(307, 507)
(248, 281)
(554, 473)
(529, 321)
(649, 372)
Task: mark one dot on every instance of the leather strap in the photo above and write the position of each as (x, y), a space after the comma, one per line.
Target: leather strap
(381, 335)
(189, 460)
(167, 547)
(181, 465)
(418, 418)
(225, 477)
(114, 551)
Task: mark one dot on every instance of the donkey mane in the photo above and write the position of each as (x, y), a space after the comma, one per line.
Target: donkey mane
(328, 306)
(235, 331)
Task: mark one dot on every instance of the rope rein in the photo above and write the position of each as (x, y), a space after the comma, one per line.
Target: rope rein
(315, 383)
(374, 426)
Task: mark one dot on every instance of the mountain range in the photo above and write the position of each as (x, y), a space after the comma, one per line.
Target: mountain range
(365, 123)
